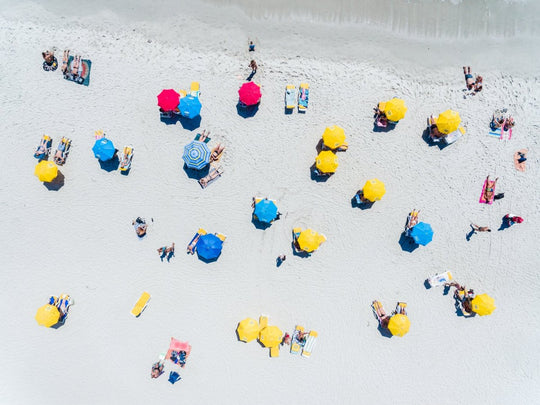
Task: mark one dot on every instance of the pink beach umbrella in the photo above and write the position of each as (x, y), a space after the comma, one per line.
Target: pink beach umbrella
(168, 100)
(250, 93)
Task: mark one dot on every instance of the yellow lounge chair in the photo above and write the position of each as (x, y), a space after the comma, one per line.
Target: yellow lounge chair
(141, 304)
(263, 321)
(274, 351)
(193, 242)
(221, 236)
(195, 89)
(310, 344)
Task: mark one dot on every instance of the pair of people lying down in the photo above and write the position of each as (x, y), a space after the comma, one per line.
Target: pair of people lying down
(76, 67)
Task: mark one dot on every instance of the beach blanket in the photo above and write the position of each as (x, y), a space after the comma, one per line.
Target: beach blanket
(482, 200)
(520, 166)
(84, 77)
(303, 98)
(499, 133)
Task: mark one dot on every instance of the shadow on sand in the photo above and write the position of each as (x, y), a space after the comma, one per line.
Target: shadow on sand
(57, 183)
(407, 243)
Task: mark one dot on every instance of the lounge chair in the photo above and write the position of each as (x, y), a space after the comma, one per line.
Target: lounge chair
(377, 307)
(310, 344)
(263, 321)
(439, 279)
(214, 174)
(62, 302)
(62, 151)
(127, 156)
(296, 344)
(401, 308)
(195, 89)
(274, 351)
(217, 152)
(193, 243)
(303, 97)
(290, 97)
(411, 218)
(141, 304)
(221, 236)
(201, 138)
(44, 149)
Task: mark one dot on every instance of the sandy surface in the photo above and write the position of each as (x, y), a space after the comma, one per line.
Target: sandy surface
(79, 239)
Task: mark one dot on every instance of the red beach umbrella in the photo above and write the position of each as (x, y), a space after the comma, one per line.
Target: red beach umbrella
(168, 99)
(250, 93)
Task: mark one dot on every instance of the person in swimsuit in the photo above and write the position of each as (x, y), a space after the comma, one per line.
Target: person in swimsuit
(381, 314)
(75, 71)
(490, 188)
(469, 81)
(478, 84)
(157, 369)
(59, 155)
(433, 130)
(65, 61)
(140, 227)
(164, 251)
(253, 66)
(477, 228)
(48, 56)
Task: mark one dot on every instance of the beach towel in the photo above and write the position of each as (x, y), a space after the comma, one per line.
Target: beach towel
(520, 166)
(84, 77)
(482, 200)
(499, 133)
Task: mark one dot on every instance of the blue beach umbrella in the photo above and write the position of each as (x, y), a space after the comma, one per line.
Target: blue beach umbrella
(196, 155)
(422, 233)
(209, 246)
(265, 211)
(104, 149)
(190, 107)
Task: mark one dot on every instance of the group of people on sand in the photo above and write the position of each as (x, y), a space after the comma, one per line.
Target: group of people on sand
(463, 298)
(473, 84)
(76, 67)
(141, 227)
(383, 317)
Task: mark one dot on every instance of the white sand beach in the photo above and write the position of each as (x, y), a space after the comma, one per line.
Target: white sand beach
(78, 238)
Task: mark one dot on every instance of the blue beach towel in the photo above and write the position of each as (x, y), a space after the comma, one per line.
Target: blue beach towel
(84, 78)
(495, 132)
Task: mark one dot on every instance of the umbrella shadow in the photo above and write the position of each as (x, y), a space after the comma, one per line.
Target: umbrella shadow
(317, 176)
(299, 253)
(172, 120)
(320, 146)
(384, 332)
(196, 174)
(407, 243)
(112, 164)
(246, 111)
(57, 183)
(208, 260)
(259, 224)
(361, 205)
(190, 124)
(427, 139)
(389, 127)
(505, 224)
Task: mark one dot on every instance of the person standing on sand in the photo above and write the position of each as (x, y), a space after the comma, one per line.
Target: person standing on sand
(251, 46)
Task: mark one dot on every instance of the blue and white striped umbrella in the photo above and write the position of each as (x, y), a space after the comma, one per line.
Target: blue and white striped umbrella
(196, 155)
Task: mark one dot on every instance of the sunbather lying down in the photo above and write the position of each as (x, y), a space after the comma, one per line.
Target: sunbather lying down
(381, 314)
(217, 152)
(140, 227)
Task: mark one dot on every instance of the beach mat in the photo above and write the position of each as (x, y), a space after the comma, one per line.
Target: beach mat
(482, 200)
(497, 133)
(84, 79)
(520, 166)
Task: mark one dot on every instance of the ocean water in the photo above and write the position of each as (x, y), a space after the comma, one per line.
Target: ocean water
(448, 19)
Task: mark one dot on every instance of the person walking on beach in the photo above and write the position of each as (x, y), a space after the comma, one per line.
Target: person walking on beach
(513, 219)
(251, 46)
(253, 66)
(165, 250)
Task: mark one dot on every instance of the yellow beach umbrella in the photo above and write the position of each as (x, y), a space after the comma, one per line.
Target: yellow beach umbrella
(483, 304)
(448, 121)
(248, 329)
(374, 190)
(46, 171)
(309, 240)
(271, 336)
(394, 109)
(47, 315)
(334, 137)
(399, 325)
(326, 162)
